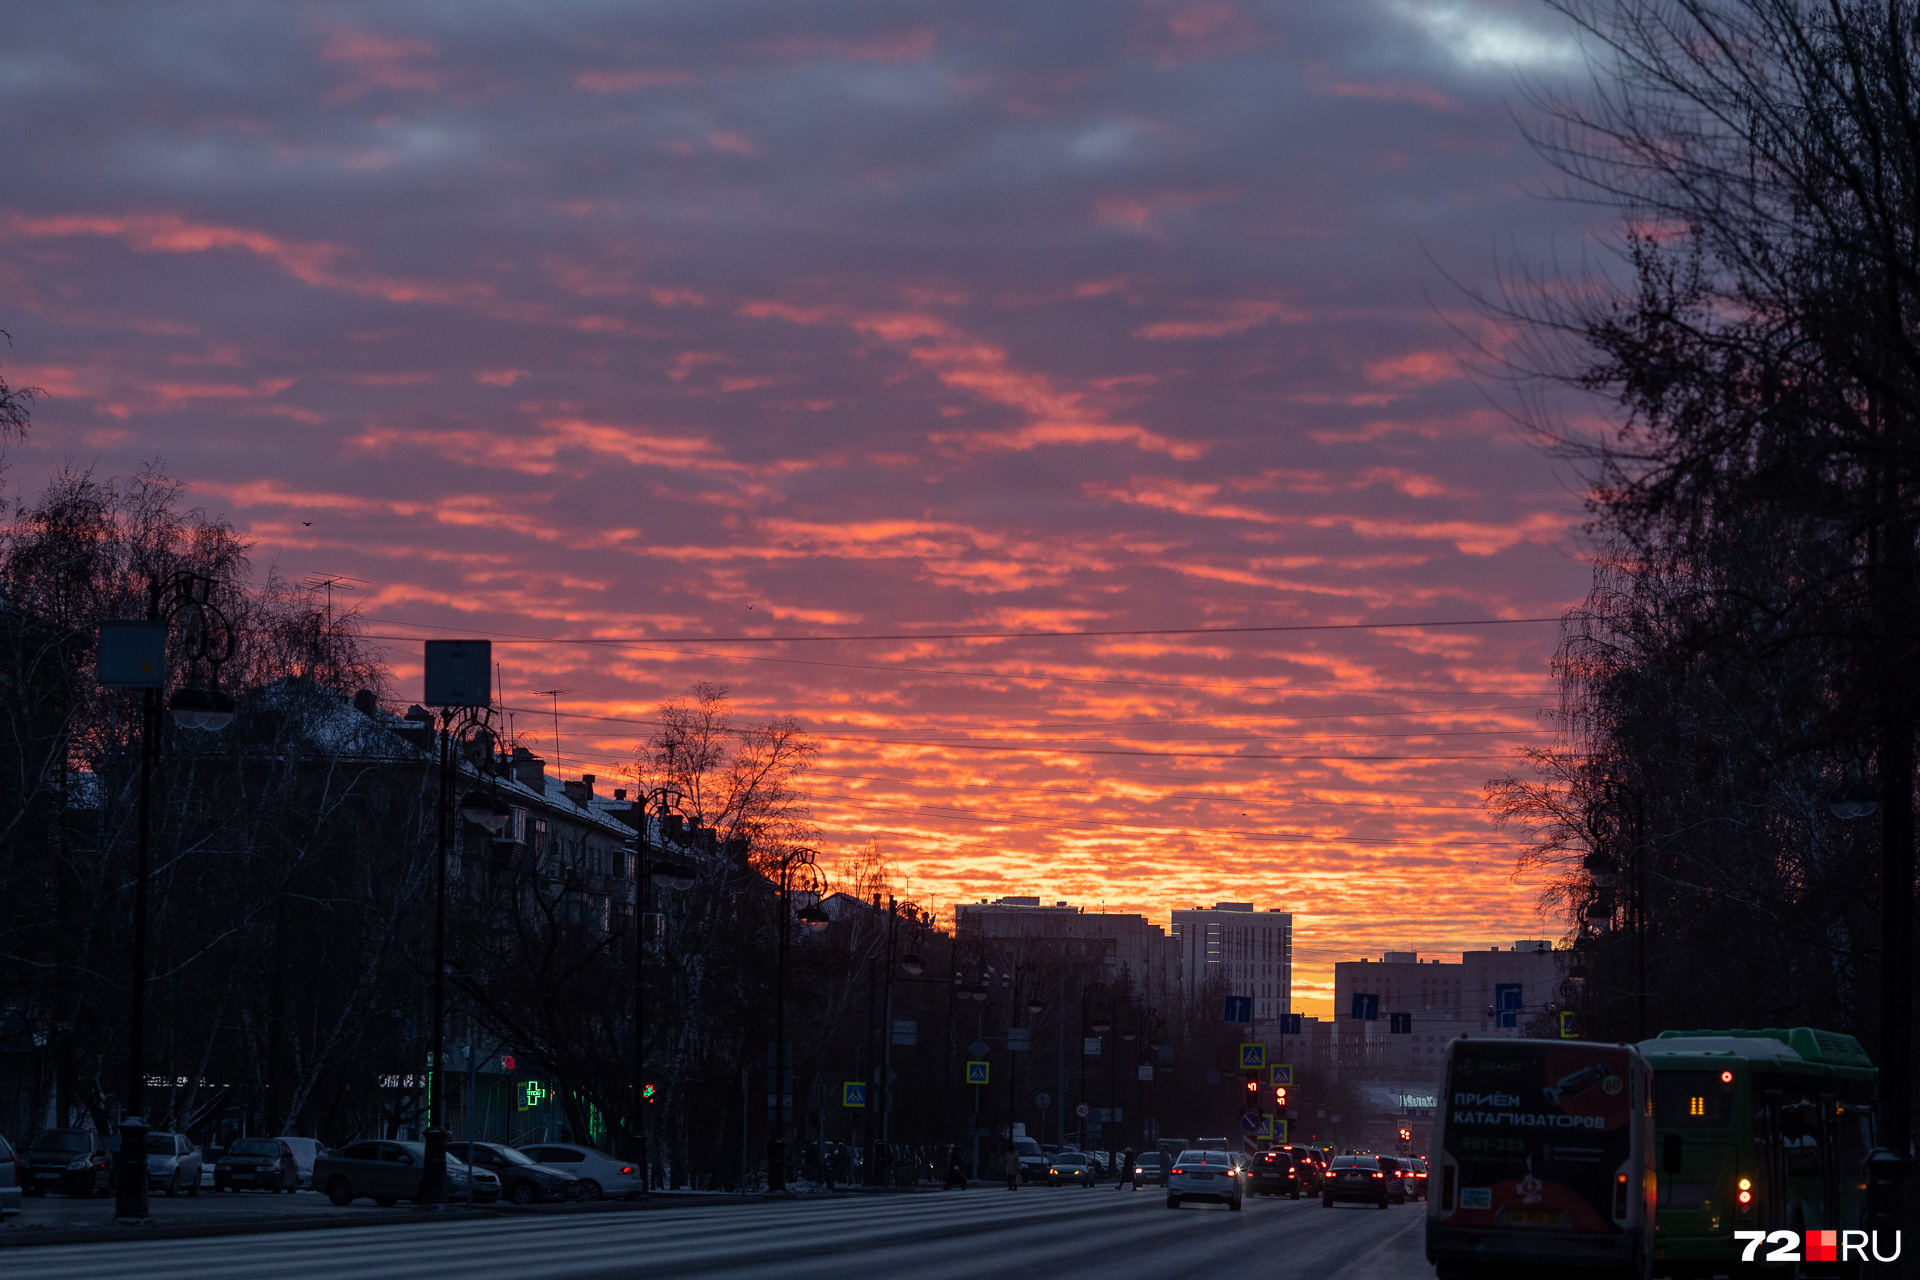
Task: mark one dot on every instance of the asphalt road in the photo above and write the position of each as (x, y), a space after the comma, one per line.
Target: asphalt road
(1037, 1231)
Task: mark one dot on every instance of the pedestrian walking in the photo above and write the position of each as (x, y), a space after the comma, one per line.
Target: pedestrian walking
(1013, 1167)
(1127, 1178)
(956, 1175)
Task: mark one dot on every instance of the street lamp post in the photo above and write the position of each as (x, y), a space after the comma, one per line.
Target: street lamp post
(1100, 1024)
(796, 864)
(670, 876)
(132, 655)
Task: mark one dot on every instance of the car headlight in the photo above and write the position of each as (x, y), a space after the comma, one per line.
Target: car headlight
(81, 1163)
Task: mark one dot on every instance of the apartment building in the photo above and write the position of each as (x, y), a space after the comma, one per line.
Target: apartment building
(1252, 950)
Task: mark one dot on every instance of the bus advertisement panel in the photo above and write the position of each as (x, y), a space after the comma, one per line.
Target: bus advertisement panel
(1544, 1151)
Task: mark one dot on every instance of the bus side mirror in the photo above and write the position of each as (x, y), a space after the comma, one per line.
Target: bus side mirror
(1670, 1154)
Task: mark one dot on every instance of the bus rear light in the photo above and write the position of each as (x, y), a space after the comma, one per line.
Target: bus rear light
(1620, 1196)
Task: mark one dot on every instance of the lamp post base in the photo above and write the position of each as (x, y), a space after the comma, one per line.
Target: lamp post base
(777, 1165)
(433, 1177)
(130, 1171)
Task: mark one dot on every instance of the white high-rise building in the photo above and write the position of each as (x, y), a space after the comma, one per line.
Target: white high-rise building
(1252, 950)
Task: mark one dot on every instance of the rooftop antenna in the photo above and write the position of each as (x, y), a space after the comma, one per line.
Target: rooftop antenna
(328, 581)
(555, 695)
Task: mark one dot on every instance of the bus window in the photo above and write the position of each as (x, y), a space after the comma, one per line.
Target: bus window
(1690, 1100)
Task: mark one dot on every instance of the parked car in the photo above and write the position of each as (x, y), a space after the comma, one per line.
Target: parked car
(1206, 1175)
(523, 1180)
(257, 1164)
(1069, 1167)
(173, 1164)
(22, 1171)
(388, 1172)
(600, 1174)
(75, 1161)
(1356, 1178)
(1276, 1173)
(305, 1152)
(9, 1180)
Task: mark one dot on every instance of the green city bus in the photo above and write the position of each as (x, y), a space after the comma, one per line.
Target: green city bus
(1755, 1130)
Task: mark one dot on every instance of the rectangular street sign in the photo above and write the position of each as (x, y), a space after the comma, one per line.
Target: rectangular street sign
(1279, 1128)
(1146, 1071)
(1253, 1057)
(1292, 1024)
(1090, 1046)
(977, 1073)
(1400, 1024)
(1019, 1039)
(1237, 1009)
(1280, 1073)
(853, 1094)
(459, 673)
(906, 1031)
(132, 655)
(1366, 1008)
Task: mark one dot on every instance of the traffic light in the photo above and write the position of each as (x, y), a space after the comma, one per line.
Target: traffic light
(1253, 1084)
(1280, 1099)
(1406, 1135)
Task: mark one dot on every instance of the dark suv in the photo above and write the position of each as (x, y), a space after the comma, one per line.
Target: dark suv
(1276, 1174)
(75, 1161)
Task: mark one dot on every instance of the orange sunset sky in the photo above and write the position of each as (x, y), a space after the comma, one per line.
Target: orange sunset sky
(853, 318)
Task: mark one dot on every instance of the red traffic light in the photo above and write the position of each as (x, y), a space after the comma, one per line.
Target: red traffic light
(1279, 1095)
(1253, 1086)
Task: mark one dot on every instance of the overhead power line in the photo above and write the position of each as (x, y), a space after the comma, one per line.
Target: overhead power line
(1137, 632)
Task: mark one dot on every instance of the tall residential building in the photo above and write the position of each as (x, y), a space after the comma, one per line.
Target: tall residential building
(1252, 950)
(1494, 992)
(1120, 941)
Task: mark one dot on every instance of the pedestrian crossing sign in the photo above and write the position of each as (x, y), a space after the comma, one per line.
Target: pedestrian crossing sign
(1278, 1126)
(853, 1094)
(1280, 1073)
(976, 1073)
(1253, 1057)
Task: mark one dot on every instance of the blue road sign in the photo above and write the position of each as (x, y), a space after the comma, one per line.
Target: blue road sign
(1508, 998)
(1292, 1024)
(1366, 1008)
(1237, 1009)
(853, 1094)
(1282, 1073)
(1250, 1122)
(1253, 1057)
(976, 1073)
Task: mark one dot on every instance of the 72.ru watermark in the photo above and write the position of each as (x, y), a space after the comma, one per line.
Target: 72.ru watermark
(1820, 1246)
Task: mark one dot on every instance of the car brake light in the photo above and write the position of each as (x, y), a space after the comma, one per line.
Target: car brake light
(1378, 1174)
(626, 1168)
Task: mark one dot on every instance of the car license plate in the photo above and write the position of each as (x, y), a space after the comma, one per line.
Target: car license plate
(238, 1176)
(1201, 1177)
(44, 1175)
(1533, 1217)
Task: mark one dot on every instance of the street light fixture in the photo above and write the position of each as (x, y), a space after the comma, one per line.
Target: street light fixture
(793, 869)
(132, 655)
(913, 964)
(817, 921)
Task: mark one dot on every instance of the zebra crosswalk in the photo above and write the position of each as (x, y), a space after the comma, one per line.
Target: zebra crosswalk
(1057, 1233)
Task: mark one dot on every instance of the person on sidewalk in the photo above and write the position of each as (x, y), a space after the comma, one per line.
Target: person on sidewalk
(956, 1175)
(1127, 1178)
(1013, 1167)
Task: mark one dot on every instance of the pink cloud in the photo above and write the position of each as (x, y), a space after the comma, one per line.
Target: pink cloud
(592, 81)
(1219, 320)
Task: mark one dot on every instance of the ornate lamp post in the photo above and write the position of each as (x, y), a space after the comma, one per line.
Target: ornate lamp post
(132, 655)
(794, 870)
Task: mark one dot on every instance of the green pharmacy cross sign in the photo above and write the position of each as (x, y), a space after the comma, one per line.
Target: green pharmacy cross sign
(532, 1094)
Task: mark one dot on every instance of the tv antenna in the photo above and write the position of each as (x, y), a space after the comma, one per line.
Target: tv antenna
(555, 695)
(328, 581)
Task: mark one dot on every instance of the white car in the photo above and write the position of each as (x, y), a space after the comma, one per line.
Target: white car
(600, 1174)
(304, 1151)
(1207, 1175)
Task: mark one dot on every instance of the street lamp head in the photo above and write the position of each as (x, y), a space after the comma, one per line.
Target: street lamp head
(1129, 1036)
(814, 918)
(672, 875)
(477, 807)
(197, 708)
(913, 964)
(1101, 1026)
(1035, 1006)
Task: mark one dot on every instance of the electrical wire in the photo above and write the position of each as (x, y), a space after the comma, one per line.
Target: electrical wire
(504, 637)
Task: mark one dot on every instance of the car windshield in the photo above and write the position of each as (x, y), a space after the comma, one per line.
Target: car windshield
(1355, 1162)
(254, 1147)
(1026, 1146)
(62, 1142)
(1069, 1157)
(516, 1157)
(160, 1144)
